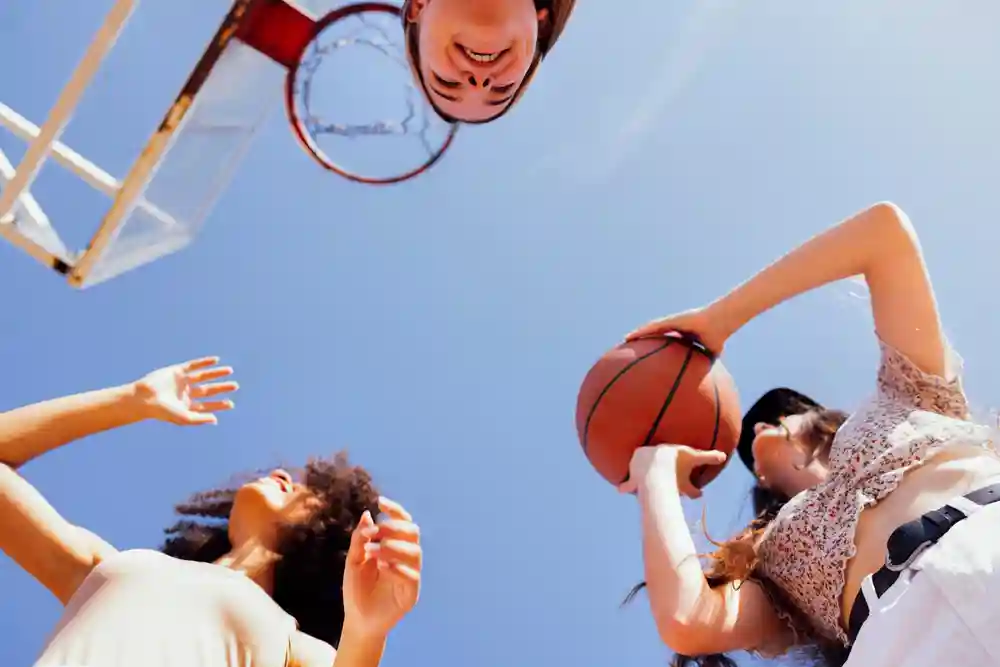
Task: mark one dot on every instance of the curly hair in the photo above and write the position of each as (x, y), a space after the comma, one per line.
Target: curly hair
(735, 560)
(308, 578)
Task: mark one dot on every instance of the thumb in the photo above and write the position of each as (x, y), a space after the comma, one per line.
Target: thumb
(362, 534)
(629, 486)
(199, 418)
(711, 457)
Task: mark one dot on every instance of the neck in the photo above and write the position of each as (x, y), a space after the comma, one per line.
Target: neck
(255, 561)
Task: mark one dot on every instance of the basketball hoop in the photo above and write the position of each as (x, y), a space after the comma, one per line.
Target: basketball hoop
(366, 40)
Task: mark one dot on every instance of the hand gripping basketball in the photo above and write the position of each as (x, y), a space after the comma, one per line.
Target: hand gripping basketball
(705, 325)
(681, 462)
(655, 390)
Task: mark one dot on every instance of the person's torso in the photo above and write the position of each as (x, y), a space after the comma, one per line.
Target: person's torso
(144, 608)
(905, 452)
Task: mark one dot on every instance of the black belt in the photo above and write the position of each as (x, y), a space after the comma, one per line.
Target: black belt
(907, 542)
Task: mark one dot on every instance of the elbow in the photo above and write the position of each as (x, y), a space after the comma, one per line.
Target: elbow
(685, 637)
(892, 228)
(889, 234)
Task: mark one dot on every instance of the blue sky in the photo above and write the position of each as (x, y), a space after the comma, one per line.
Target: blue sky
(440, 329)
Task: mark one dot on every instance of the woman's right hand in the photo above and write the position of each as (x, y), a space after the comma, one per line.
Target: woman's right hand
(677, 460)
(707, 325)
(177, 393)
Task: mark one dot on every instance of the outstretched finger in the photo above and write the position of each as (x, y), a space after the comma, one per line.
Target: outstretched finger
(196, 364)
(396, 551)
(398, 529)
(404, 571)
(655, 328)
(212, 406)
(215, 373)
(393, 509)
(213, 389)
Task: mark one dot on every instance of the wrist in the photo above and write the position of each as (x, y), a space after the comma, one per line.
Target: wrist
(359, 647)
(362, 634)
(729, 313)
(131, 401)
(659, 470)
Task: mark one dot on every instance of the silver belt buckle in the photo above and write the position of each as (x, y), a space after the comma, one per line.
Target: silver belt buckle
(909, 561)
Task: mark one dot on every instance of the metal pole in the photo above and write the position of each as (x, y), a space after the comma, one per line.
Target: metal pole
(62, 110)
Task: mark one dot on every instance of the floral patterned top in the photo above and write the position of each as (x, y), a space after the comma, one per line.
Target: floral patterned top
(912, 414)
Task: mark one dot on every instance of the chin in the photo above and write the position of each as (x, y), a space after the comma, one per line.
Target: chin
(259, 495)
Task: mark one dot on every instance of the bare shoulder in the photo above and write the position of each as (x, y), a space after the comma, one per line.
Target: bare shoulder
(57, 553)
(307, 651)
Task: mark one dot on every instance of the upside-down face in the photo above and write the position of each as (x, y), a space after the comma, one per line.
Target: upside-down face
(473, 55)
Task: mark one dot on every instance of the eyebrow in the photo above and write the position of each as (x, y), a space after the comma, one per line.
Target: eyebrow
(500, 102)
(438, 79)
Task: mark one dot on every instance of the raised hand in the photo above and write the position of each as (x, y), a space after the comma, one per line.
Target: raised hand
(706, 325)
(180, 393)
(382, 577)
(679, 460)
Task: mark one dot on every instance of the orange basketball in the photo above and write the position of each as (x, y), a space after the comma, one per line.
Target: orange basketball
(664, 390)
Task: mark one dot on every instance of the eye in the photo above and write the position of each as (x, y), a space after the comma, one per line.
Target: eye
(447, 83)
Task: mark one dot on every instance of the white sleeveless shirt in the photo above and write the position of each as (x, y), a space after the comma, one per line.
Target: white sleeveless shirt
(144, 608)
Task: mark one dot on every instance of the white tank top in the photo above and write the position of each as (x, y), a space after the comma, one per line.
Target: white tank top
(145, 608)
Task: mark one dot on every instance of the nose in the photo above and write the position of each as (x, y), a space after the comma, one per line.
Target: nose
(283, 476)
(481, 81)
(480, 75)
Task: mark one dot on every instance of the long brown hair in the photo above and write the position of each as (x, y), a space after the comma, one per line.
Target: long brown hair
(736, 561)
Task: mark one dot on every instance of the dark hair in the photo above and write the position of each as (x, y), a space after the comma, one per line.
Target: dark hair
(308, 579)
(549, 31)
(735, 560)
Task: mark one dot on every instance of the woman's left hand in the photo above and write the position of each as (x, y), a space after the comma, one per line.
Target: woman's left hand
(707, 325)
(382, 577)
(187, 394)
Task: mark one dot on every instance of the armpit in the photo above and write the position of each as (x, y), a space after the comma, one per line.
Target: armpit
(899, 379)
(791, 631)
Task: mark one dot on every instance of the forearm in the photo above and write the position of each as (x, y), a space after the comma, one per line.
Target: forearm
(358, 649)
(29, 432)
(674, 578)
(850, 248)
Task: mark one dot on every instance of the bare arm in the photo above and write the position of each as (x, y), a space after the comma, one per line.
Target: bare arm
(880, 244)
(49, 548)
(29, 432)
(356, 650)
(691, 617)
(359, 650)
(58, 554)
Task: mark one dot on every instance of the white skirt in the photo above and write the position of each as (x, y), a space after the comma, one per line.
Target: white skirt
(945, 610)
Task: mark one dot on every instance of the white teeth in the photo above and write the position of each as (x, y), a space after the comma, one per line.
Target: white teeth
(480, 57)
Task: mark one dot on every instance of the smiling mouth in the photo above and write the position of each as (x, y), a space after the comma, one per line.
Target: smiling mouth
(480, 57)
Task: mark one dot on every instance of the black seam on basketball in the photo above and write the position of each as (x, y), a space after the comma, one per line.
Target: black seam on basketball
(607, 387)
(718, 413)
(670, 397)
(715, 430)
(666, 403)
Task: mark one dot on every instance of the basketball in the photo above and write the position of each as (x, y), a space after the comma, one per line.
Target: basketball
(664, 390)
